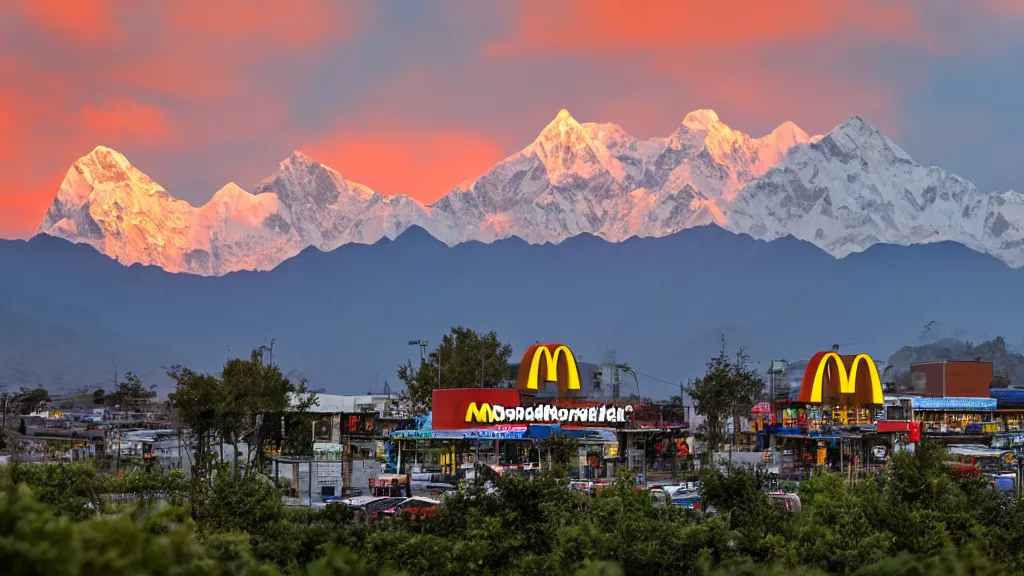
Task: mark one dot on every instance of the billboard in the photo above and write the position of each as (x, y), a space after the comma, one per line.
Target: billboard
(488, 414)
(452, 404)
(847, 380)
(543, 363)
(465, 408)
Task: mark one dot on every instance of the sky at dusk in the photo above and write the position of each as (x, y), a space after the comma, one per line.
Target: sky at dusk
(416, 96)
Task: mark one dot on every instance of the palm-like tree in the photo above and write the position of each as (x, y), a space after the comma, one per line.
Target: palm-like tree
(629, 370)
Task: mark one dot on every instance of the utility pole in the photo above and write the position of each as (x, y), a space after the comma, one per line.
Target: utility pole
(272, 342)
(423, 349)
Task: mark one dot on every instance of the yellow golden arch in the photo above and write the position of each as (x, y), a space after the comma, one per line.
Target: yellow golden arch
(847, 381)
(551, 353)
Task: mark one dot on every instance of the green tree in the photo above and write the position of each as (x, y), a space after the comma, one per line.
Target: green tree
(131, 393)
(466, 358)
(27, 401)
(246, 402)
(198, 399)
(561, 451)
(729, 388)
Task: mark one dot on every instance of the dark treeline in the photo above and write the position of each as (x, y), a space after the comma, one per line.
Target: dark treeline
(920, 516)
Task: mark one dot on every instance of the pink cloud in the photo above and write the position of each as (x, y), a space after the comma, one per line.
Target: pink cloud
(141, 123)
(86, 21)
(422, 164)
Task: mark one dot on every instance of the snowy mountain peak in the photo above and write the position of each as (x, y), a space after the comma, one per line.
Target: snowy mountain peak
(844, 192)
(562, 127)
(855, 188)
(703, 119)
(788, 135)
(567, 150)
(229, 193)
(855, 135)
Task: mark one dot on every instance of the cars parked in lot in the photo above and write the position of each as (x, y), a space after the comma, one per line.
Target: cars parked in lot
(417, 507)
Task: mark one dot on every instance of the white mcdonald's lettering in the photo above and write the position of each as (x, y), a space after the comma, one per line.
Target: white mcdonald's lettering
(492, 413)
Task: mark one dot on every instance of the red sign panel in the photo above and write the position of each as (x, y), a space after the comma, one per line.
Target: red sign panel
(452, 404)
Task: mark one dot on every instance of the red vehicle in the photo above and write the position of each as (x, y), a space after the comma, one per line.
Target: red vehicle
(417, 507)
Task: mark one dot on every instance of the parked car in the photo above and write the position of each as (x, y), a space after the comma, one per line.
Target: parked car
(367, 506)
(790, 501)
(416, 507)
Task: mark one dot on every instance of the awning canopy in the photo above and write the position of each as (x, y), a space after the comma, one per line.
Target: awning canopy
(468, 434)
(531, 432)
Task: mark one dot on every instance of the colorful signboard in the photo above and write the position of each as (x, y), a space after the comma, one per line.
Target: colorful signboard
(543, 363)
(451, 404)
(359, 424)
(484, 413)
(841, 379)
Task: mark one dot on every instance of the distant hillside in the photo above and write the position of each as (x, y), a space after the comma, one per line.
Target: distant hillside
(65, 348)
(1005, 361)
(345, 318)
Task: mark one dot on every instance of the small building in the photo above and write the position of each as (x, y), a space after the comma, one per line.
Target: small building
(952, 378)
(597, 382)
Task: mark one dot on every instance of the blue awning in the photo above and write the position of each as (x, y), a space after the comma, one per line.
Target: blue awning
(920, 403)
(468, 434)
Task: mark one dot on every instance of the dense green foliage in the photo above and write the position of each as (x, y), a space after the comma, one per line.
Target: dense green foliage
(728, 389)
(131, 393)
(235, 405)
(919, 517)
(463, 359)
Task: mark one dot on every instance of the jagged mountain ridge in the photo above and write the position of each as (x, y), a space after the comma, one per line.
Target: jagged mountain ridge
(843, 192)
(1006, 362)
(855, 188)
(111, 205)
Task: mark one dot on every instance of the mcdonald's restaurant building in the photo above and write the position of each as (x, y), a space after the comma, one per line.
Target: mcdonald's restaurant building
(832, 421)
(506, 428)
(841, 419)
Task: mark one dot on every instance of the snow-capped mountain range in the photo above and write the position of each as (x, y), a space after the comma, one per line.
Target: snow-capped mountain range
(843, 191)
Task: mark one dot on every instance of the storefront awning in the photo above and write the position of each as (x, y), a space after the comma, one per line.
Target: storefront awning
(532, 432)
(961, 404)
(468, 434)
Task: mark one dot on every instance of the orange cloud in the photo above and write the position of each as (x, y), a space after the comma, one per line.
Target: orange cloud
(188, 73)
(424, 165)
(87, 21)
(737, 57)
(21, 212)
(7, 135)
(580, 26)
(142, 123)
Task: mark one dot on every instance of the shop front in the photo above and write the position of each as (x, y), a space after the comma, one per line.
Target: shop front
(510, 431)
(523, 428)
(832, 423)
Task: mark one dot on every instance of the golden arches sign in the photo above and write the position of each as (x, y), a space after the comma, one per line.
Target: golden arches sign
(833, 367)
(529, 377)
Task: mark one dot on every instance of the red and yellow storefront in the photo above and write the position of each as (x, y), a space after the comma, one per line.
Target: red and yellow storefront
(514, 428)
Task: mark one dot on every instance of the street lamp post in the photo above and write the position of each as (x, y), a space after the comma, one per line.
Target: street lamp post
(423, 348)
(423, 356)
